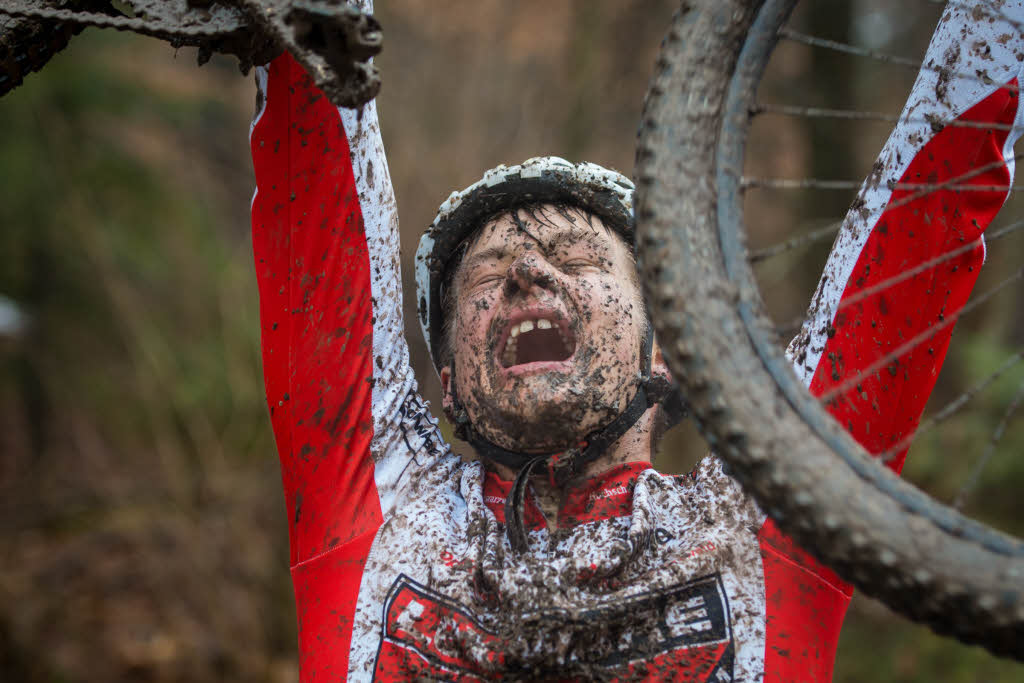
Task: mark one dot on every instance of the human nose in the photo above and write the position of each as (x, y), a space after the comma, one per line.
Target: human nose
(528, 271)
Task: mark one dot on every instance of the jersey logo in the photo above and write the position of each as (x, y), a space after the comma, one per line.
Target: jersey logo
(682, 633)
(417, 423)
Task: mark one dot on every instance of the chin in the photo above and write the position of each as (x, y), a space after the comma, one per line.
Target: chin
(543, 406)
(542, 420)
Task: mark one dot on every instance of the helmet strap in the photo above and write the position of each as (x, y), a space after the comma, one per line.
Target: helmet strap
(563, 466)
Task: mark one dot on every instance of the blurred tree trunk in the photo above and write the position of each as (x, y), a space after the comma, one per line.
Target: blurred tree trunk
(832, 83)
(583, 96)
(833, 79)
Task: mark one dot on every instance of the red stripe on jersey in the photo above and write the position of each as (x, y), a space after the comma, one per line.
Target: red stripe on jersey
(885, 406)
(316, 315)
(326, 594)
(805, 603)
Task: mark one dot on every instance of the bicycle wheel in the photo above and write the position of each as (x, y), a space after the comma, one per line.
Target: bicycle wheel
(921, 558)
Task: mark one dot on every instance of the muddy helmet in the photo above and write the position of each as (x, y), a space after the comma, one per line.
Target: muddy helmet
(603, 192)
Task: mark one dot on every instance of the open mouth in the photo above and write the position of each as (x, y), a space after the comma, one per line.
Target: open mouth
(537, 339)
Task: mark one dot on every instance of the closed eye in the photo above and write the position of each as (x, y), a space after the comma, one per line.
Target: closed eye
(578, 264)
(486, 280)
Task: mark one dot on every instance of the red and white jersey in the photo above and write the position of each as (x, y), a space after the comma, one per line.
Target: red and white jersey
(399, 558)
(910, 248)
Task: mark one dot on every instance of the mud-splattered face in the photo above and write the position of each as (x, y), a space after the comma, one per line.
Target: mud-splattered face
(547, 329)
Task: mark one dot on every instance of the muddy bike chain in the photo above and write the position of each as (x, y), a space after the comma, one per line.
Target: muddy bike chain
(332, 40)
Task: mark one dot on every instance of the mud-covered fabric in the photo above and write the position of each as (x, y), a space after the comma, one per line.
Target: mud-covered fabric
(401, 567)
(672, 587)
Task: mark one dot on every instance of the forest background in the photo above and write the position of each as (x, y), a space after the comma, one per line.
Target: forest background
(142, 529)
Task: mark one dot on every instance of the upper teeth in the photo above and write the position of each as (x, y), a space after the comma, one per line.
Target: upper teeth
(527, 326)
(511, 344)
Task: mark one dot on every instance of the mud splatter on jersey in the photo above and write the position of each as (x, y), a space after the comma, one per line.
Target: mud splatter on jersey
(399, 559)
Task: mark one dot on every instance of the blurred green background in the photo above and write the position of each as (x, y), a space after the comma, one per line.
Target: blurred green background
(143, 534)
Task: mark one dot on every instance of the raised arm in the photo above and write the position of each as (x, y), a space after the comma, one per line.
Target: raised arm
(349, 426)
(901, 270)
(323, 197)
(906, 259)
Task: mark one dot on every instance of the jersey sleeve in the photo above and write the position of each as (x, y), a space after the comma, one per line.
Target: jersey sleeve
(911, 247)
(350, 427)
(341, 393)
(901, 270)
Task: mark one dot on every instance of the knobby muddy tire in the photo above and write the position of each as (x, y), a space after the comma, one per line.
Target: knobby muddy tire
(880, 533)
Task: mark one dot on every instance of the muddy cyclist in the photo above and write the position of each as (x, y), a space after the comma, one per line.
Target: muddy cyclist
(560, 553)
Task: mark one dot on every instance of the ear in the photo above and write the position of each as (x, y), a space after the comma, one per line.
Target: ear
(658, 366)
(447, 400)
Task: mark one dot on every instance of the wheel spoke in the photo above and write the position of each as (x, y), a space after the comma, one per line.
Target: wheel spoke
(953, 406)
(830, 229)
(997, 434)
(857, 115)
(920, 338)
(882, 57)
(835, 45)
(823, 184)
(926, 265)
